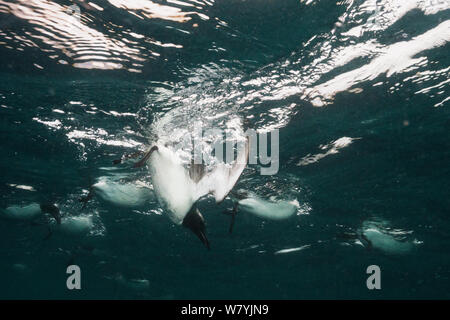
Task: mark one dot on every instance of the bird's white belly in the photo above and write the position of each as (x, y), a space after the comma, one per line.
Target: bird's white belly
(26, 212)
(268, 210)
(171, 183)
(76, 225)
(122, 194)
(386, 242)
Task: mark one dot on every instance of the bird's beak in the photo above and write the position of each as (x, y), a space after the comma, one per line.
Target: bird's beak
(195, 222)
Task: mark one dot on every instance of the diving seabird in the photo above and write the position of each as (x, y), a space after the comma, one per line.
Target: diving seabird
(179, 189)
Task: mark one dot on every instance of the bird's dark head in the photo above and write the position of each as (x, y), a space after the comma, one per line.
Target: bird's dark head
(53, 210)
(195, 222)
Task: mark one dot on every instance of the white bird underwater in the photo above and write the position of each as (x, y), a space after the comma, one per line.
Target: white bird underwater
(22, 212)
(377, 236)
(31, 211)
(128, 194)
(179, 189)
(278, 210)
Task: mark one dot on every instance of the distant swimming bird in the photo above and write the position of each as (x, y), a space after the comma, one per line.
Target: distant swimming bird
(22, 212)
(112, 188)
(179, 189)
(32, 211)
(75, 226)
(268, 210)
(273, 210)
(375, 235)
(382, 240)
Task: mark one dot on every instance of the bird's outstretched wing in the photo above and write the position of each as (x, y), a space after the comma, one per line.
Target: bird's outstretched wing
(222, 178)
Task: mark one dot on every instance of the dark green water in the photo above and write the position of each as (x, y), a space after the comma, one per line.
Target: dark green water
(358, 90)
